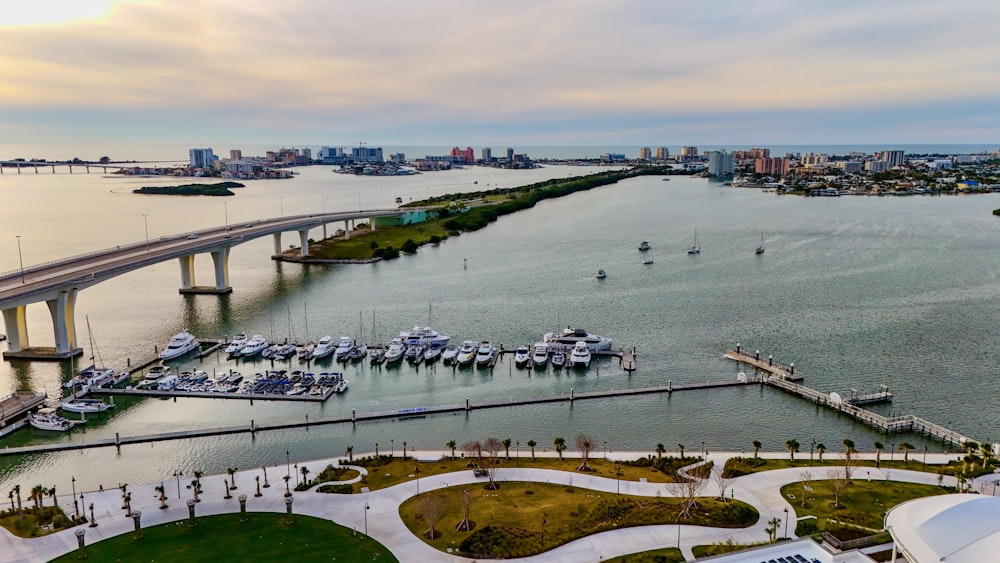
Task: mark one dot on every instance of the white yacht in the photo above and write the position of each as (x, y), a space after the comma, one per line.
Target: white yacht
(449, 354)
(236, 345)
(570, 336)
(156, 373)
(84, 405)
(254, 346)
(182, 343)
(344, 348)
(425, 336)
(484, 353)
(466, 354)
(324, 347)
(92, 377)
(540, 355)
(580, 357)
(47, 419)
(521, 356)
(395, 351)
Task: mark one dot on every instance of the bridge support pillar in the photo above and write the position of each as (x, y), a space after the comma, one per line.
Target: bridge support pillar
(324, 231)
(16, 325)
(347, 230)
(220, 258)
(63, 309)
(277, 243)
(304, 242)
(187, 271)
(371, 224)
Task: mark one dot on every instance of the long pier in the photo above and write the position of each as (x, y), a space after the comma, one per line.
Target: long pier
(356, 417)
(782, 378)
(17, 404)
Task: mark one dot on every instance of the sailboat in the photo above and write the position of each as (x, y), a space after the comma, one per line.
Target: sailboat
(696, 249)
(760, 249)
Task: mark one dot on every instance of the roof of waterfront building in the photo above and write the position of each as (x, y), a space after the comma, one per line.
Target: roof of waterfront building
(956, 528)
(798, 551)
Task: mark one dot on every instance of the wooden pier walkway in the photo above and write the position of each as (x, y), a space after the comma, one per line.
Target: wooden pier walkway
(210, 395)
(354, 417)
(765, 364)
(17, 404)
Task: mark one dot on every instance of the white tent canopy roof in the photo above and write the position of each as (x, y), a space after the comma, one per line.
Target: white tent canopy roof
(960, 528)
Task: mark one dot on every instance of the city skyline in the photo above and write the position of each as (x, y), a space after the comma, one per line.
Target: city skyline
(557, 73)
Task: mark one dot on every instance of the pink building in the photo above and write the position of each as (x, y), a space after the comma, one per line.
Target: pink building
(466, 154)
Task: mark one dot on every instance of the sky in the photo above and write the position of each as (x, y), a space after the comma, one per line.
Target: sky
(525, 72)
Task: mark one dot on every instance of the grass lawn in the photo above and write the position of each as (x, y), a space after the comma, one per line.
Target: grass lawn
(215, 539)
(509, 521)
(359, 246)
(34, 522)
(863, 503)
(913, 463)
(722, 548)
(399, 471)
(668, 555)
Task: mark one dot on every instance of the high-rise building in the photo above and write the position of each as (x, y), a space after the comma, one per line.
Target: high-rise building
(235, 154)
(875, 166)
(721, 163)
(367, 154)
(756, 153)
(662, 153)
(777, 166)
(510, 154)
(645, 153)
(487, 154)
(812, 159)
(850, 166)
(689, 152)
(466, 155)
(201, 158)
(894, 158)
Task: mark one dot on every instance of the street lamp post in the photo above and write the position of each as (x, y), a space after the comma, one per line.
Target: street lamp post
(288, 466)
(517, 453)
(925, 459)
(812, 445)
(892, 451)
(76, 506)
(618, 475)
(20, 259)
(366, 517)
(786, 522)
(177, 475)
(281, 204)
(225, 211)
(145, 224)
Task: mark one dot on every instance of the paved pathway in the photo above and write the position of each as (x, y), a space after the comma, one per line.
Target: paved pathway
(760, 490)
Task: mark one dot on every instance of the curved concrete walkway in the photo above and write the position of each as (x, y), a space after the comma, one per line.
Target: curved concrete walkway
(760, 490)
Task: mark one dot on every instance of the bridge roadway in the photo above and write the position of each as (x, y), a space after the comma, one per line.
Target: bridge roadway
(57, 283)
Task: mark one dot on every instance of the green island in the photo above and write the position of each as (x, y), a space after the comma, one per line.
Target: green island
(226, 537)
(218, 189)
(453, 214)
(518, 519)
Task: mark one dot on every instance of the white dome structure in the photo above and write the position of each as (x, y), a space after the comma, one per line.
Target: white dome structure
(960, 528)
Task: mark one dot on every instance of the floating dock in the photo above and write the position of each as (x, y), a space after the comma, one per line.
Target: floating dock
(17, 404)
(214, 395)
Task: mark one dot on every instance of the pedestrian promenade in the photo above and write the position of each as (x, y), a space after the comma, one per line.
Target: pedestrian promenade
(760, 490)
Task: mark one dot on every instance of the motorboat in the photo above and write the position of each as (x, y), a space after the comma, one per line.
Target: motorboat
(236, 345)
(305, 352)
(484, 354)
(156, 373)
(324, 347)
(181, 343)
(425, 336)
(377, 355)
(254, 346)
(344, 348)
(47, 419)
(570, 336)
(414, 353)
(270, 351)
(432, 354)
(696, 248)
(580, 356)
(540, 355)
(340, 386)
(85, 405)
(601, 274)
(558, 359)
(92, 377)
(286, 351)
(449, 354)
(644, 245)
(395, 351)
(521, 356)
(466, 354)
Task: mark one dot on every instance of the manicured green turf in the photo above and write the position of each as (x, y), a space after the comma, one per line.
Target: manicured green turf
(721, 548)
(223, 538)
(668, 555)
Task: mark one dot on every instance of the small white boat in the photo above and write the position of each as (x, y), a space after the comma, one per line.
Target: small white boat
(432, 354)
(92, 377)
(47, 419)
(558, 359)
(466, 354)
(449, 354)
(305, 352)
(414, 353)
(236, 345)
(344, 347)
(254, 346)
(84, 405)
(696, 248)
(540, 355)
(156, 373)
(182, 343)
(580, 356)
(521, 356)
(270, 351)
(340, 386)
(484, 354)
(286, 351)
(324, 347)
(644, 245)
(601, 274)
(395, 351)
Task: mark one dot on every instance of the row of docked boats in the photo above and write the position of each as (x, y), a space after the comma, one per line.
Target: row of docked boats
(273, 382)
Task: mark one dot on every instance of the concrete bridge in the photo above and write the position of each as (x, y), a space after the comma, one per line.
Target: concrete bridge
(36, 164)
(58, 283)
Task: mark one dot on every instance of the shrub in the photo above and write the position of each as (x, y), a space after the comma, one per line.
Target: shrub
(409, 246)
(338, 489)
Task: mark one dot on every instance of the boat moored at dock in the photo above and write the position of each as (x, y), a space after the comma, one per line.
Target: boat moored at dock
(181, 343)
(580, 356)
(47, 419)
(484, 354)
(521, 356)
(569, 337)
(467, 353)
(254, 346)
(236, 345)
(85, 406)
(324, 348)
(540, 355)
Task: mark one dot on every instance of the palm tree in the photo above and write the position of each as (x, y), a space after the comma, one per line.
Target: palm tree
(17, 491)
(37, 494)
(451, 444)
(820, 448)
(163, 495)
(905, 447)
(792, 446)
(52, 493)
(756, 447)
(232, 476)
(849, 447)
(287, 492)
(531, 444)
(350, 454)
(560, 445)
(772, 528)
(680, 448)
(987, 451)
(506, 447)
(878, 453)
(660, 450)
(11, 495)
(305, 474)
(128, 504)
